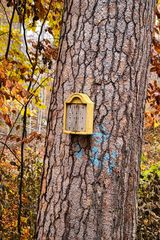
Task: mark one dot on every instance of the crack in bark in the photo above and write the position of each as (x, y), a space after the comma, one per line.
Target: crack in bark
(104, 52)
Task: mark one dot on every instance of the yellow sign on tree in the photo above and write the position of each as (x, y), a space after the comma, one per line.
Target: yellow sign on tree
(78, 114)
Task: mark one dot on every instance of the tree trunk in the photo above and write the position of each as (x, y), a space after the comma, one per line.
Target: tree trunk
(89, 182)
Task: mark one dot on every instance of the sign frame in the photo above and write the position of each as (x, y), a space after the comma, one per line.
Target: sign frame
(79, 99)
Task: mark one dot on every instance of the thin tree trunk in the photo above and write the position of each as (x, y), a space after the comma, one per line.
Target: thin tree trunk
(89, 182)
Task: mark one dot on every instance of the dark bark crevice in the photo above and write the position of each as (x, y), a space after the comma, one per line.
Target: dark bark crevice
(89, 182)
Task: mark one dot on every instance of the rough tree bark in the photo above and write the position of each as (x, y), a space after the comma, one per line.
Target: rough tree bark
(89, 182)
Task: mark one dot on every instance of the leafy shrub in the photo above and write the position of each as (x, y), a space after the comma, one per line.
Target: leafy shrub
(149, 204)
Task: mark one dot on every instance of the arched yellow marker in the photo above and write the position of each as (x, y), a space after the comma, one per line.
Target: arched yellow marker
(78, 114)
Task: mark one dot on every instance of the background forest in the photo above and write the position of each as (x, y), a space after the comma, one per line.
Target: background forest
(29, 37)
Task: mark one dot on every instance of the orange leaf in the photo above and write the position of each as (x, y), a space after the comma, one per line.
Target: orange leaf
(9, 84)
(7, 120)
(17, 127)
(1, 101)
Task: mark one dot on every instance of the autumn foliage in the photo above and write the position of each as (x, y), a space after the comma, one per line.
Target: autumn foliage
(29, 35)
(149, 189)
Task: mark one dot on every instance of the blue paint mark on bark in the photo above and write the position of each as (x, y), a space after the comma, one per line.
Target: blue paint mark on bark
(101, 136)
(99, 161)
(110, 167)
(79, 152)
(96, 158)
(110, 158)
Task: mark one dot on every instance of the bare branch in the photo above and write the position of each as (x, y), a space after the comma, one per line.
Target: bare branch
(10, 150)
(4, 9)
(11, 129)
(24, 32)
(10, 31)
(40, 33)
